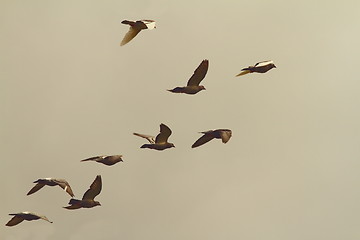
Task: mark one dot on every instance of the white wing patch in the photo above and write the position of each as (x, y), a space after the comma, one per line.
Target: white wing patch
(264, 63)
(150, 24)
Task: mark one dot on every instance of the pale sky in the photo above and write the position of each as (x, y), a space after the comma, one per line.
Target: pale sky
(69, 92)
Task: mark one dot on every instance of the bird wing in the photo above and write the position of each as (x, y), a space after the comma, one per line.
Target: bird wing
(199, 73)
(129, 35)
(92, 158)
(14, 221)
(263, 63)
(45, 218)
(36, 188)
(64, 185)
(203, 139)
(151, 139)
(225, 135)
(164, 134)
(243, 72)
(94, 189)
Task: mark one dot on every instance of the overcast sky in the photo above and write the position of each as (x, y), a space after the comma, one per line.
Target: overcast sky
(69, 92)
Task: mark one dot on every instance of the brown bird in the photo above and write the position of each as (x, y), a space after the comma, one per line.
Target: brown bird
(161, 140)
(88, 198)
(193, 86)
(135, 28)
(260, 67)
(40, 183)
(28, 216)
(223, 134)
(107, 160)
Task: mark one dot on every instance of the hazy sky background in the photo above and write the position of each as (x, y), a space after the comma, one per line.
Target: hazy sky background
(69, 92)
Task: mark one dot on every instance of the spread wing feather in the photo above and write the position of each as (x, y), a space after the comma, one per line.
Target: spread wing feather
(129, 35)
(164, 134)
(199, 73)
(36, 188)
(94, 189)
(208, 136)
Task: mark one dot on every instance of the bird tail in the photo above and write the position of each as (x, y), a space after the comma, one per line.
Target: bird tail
(243, 72)
(74, 201)
(146, 146)
(177, 90)
(71, 207)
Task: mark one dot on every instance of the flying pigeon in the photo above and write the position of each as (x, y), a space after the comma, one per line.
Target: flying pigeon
(107, 160)
(193, 83)
(260, 67)
(40, 183)
(223, 134)
(88, 198)
(28, 216)
(161, 140)
(135, 28)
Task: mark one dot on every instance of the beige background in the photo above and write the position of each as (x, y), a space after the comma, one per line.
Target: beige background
(69, 92)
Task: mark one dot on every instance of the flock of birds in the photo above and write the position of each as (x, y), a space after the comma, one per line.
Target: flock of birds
(160, 142)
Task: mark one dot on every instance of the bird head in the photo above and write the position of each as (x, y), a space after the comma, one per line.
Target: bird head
(97, 203)
(202, 87)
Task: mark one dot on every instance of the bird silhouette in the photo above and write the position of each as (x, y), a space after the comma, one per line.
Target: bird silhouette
(40, 183)
(193, 86)
(87, 200)
(161, 140)
(223, 134)
(135, 28)
(28, 216)
(260, 67)
(104, 159)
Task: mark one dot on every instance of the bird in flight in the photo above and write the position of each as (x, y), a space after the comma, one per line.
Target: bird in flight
(87, 200)
(193, 86)
(223, 134)
(161, 140)
(28, 216)
(40, 183)
(135, 28)
(260, 67)
(104, 159)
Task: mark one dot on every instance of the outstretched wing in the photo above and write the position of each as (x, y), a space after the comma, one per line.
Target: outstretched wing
(94, 189)
(129, 35)
(164, 134)
(263, 63)
(92, 158)
(151, 139)
(64, 185)
(36, 188)
(199, 73)
(243, 72)
(203, 139)
(15, 220)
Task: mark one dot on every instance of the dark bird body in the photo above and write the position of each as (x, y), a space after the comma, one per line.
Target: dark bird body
(161, 140)
(87, 200)
(28, 216)
(260, 67)
(193, 86)
(223, 134)
(40, 183)
(107, 160)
